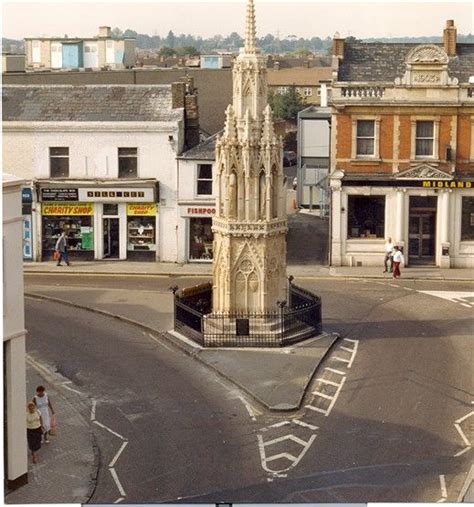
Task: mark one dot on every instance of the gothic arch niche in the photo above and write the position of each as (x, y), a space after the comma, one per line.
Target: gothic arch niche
(247, 286)
(262, 195)
(233, 195)
(275, 192)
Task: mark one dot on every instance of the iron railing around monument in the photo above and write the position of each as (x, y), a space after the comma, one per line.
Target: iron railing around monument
(293, 321)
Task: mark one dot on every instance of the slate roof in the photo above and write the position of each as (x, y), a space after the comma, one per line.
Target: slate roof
(205, 150)
(298, 76)
(89, 103)
(378, 61)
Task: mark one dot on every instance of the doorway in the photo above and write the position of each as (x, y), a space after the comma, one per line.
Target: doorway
(422, 230)
(111, 238)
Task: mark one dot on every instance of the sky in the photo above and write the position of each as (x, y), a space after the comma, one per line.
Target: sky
(307, 18)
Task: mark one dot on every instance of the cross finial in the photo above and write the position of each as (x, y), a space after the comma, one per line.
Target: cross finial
(250, 30)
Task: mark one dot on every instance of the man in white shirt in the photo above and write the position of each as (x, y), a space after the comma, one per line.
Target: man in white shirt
(388, 255)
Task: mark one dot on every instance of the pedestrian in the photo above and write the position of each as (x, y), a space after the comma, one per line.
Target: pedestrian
(43, 403)
(61, 248)
(397, 260)
(34, 429)
(388, 256)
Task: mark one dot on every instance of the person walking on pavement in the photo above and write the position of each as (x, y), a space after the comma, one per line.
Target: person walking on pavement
(34, 429)
(388, 255)
(61, 248)
(43, 403)
(397, 260)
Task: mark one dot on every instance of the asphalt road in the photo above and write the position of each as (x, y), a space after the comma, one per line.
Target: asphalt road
(389, 435)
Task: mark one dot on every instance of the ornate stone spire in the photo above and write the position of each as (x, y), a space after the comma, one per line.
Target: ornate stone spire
(250, 29)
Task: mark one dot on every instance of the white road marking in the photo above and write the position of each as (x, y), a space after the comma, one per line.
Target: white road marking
(466, 441)
(119, 452)
(441, 500)
(335, 371)
(336, 395)
(444, 491)
(394, 285)
(248, 407)
(94, 403)
(316, 409)
(459, 421)
(160, 342)
(322, 395)
(280, 424)
(70, 388)
(117, 482)
(305, 425)
(329, 382)
(121, 499)
(109, 430)
(463, 436)
(408, 288)
(350, 340)
(459, 297)
(347, 349)
(282, 439)
(461, 452)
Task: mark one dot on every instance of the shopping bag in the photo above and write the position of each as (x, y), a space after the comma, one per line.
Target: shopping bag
(56, 255)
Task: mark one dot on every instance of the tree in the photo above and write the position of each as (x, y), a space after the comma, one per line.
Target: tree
(187, 51)
(117, 33)
(170, 40)
(287, 105)
(167, 51)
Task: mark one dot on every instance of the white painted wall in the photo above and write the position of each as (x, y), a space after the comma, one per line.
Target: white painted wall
(93, 153)
(314, 138)
(14, 328)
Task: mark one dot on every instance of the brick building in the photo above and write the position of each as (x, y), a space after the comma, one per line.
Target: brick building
(402, 152)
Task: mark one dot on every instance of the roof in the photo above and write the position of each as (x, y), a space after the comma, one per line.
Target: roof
(298, 76)
(289, 62)
(79, 39)
(89, 103)
(384, 62)
(205, 150)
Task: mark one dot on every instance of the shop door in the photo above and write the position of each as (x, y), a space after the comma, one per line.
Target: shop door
(422, 238)
(111, 238)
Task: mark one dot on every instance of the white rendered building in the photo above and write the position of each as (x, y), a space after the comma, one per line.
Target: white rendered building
(14, 377)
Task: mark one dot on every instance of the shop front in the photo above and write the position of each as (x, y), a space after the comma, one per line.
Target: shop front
(198, 230)
(27, 212)
(431, 220)
(102, 223)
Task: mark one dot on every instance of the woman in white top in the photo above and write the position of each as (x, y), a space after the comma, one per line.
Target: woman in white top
(397, 260)
(34, 429)
(43, 403)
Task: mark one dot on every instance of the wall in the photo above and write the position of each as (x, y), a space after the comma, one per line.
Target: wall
(14, 335)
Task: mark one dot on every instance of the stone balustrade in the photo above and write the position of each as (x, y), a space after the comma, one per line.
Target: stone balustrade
(363, 92)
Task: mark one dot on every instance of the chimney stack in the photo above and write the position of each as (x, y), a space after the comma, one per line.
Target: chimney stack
(338, 46)
(450, 38)
(105, 31)
(183, 94)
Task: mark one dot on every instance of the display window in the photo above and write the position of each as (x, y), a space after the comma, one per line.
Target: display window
(200, 239)
(467, 219)
(366, 217)
(79, 230)
(141, 233)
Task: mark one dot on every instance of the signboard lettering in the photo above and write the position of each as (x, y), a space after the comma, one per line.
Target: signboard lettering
(141, 209)
(66, 209)
(59, 194)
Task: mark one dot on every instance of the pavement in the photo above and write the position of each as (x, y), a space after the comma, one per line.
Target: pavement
(128, 268)
(67, 468)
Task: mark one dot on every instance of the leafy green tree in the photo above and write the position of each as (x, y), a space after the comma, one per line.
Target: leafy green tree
(287, 105)
(167, 51)
(170, 40)
(187, 51)
(117, 33)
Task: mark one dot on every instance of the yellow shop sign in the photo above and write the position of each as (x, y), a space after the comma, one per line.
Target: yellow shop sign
(141, 209)
(67, 209)
(447, 184)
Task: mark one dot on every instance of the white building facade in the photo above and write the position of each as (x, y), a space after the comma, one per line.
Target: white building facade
(14, 333)
(103, 168)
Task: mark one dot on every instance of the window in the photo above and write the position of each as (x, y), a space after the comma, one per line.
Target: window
(307, 92)
(204, 179)
(127, 163)
(36, 51)
(365, 137)
(467, 219)
(366, 217)
(283, 89)
(424, 139)
(200, 239)
(59, 162)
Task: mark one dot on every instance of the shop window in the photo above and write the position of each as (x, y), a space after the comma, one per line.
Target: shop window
(366, 217)
(204, 179)
(141, 233)
(80, 237)
(127, 163)
(365, 137)
(467, 220)
(59, 162)
(200, 239)
(424, 139)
